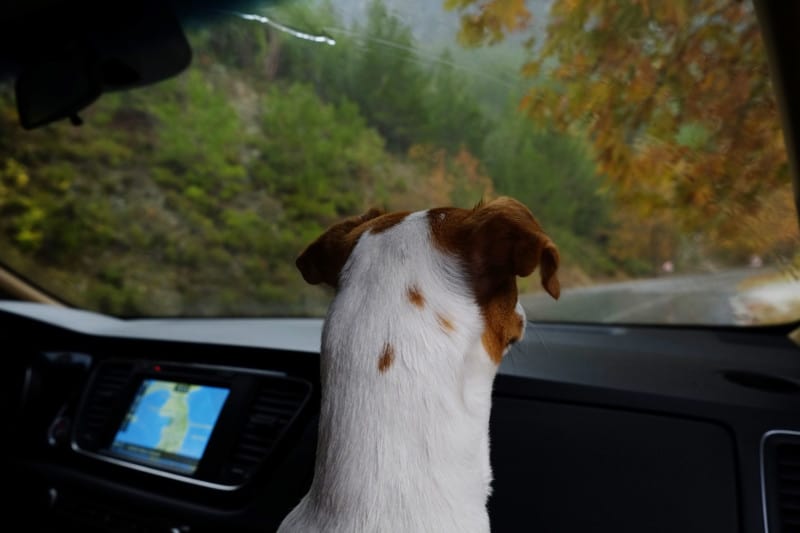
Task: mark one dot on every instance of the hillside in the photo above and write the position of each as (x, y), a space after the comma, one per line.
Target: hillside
(194, 197)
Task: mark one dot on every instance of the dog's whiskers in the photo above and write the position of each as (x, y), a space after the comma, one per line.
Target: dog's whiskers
(511, 358)
(541, 338)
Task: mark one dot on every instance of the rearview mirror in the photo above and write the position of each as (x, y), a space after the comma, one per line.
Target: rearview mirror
(76, 59)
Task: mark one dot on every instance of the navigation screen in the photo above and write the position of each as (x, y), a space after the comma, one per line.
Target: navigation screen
(168, 424)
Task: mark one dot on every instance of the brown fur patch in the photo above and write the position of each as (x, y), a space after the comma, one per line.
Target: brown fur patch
(381, 224)
(415, 296)
(386, 359)
(445, 323)
(503, 326)
(322, 260)
(497, 242)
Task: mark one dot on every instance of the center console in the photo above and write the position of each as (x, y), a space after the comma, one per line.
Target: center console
(203, 425)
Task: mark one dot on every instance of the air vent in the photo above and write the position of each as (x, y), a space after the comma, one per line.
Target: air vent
(275, 405)
(108, 383)
(782, 481)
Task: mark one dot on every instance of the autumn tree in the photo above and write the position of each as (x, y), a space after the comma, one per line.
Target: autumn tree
(442, 178)
(674, 97)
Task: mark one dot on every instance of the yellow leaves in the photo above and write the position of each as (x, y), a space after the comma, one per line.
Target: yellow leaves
(778, 218)
(599, 95)
(28, 239)
(22, 179)
(770, 227)
(674, 12)
(676, 104)
(450, 5)
(474, 31)
(29, 233)
(510, 14)
(647, 239)
(643, 82)
(15, 171)
(13, 176)
(490, 21)
(702, 196)
(530, 69)
(681, 74)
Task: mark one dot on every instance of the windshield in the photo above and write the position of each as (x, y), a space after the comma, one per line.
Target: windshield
(644, 136)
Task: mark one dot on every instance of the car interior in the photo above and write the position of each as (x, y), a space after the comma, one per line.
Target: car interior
(595, 426)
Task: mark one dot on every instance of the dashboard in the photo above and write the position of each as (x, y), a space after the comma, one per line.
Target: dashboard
(210, 425)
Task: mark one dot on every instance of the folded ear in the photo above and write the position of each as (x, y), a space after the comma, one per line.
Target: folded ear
(322, 260)
(510, 241)
(544, 252)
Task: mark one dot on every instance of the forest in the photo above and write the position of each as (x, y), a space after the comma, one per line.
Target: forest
(193, 197)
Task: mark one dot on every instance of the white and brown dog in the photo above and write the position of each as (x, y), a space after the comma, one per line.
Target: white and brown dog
(425, 308)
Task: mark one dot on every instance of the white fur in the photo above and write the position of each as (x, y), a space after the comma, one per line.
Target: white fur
(406, 450)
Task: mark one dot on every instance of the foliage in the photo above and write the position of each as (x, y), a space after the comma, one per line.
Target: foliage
(453, 117)
(440, 178)
(323, 179)
(676, 101)
(386, 86)
(491, 21)
(549, 172)
(195, 196)
(408, 96)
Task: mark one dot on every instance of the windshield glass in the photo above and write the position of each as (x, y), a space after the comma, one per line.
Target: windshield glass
(644, 136)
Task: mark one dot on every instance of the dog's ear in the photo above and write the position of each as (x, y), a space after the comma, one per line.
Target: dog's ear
(323, 259)
(539, 248)
(509, 241)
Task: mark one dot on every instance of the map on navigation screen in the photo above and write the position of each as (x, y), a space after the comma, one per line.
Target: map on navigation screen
(169, 424)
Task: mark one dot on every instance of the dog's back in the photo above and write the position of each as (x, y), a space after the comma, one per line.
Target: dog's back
(407, 367)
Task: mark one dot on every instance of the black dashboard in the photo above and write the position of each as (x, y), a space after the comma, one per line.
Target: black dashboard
(594, 428)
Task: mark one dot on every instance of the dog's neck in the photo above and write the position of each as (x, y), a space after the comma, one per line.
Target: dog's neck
(406, 394)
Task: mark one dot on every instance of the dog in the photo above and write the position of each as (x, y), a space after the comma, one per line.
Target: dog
(425, 308)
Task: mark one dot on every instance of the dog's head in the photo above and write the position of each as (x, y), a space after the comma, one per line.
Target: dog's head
(493, 244)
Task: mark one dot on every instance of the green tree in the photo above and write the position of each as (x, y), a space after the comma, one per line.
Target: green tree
(328, 68)
(454, 117)
(200, 137)
(389, 87)
(551, 172)
(406, 96)
(320, 159)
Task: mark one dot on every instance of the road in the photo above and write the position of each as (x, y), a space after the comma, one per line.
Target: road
(674, 299)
